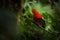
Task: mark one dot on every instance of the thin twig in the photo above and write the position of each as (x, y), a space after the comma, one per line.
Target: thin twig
(38, 25)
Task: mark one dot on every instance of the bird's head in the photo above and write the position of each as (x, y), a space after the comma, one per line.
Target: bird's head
(36, 14)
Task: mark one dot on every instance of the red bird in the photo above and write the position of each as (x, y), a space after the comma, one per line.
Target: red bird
(38, 18)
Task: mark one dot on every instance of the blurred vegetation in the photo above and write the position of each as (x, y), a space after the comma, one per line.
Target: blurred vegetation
(28, 30)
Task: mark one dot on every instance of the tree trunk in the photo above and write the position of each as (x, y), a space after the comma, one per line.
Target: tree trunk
(9, 13)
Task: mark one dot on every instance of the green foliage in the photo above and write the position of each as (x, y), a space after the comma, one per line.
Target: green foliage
(30, 31)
